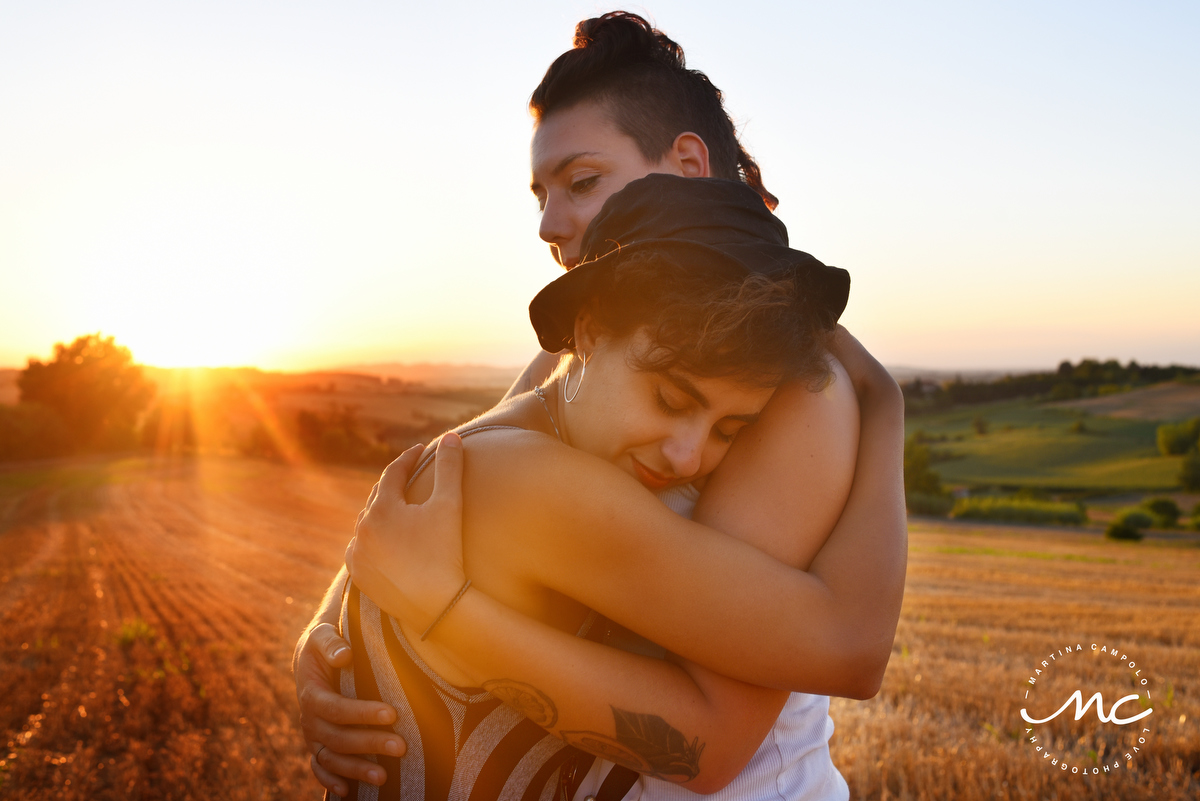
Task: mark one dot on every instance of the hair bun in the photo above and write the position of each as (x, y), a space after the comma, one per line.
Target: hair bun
(627, 37)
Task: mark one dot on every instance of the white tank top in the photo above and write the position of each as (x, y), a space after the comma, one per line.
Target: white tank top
(793, 762)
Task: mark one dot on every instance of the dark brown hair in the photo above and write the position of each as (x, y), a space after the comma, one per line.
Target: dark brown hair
(620, 60)
(759, 330)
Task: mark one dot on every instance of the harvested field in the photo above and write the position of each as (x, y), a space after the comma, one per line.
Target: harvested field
(149, 610)
(983, 605)
(149, 613)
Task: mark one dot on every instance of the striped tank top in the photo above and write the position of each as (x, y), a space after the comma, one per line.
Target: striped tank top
(464, 744)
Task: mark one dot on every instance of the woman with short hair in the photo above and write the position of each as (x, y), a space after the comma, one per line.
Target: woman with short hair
(829, 631)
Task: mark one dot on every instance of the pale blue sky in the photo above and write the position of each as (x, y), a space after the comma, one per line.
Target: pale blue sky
(303, 185)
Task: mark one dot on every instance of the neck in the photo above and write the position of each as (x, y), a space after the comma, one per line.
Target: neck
(557, 405)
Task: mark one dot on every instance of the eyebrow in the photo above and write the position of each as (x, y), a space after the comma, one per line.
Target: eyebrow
(563, 164)
(689, 388)
(700, 398)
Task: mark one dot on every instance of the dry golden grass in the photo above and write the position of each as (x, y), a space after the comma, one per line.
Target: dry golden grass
(146, 633)
(983, 606)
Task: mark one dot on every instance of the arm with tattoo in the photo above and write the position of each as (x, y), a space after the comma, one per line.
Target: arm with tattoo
(645, 743)
(669, 719)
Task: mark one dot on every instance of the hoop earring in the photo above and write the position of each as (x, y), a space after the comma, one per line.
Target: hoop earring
(567, 380)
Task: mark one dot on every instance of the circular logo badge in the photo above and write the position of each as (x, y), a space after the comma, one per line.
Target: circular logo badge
(1087, 709)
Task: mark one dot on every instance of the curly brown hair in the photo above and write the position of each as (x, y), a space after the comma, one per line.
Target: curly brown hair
(759, 330)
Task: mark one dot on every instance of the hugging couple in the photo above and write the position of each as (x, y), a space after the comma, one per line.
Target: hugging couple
(641, 575)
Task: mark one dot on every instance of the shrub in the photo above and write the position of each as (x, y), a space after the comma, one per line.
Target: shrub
(32, 431)
(1189, 472)
(918, 478)
(980, 424)
(1165, 511)
(926, 503)
(170, 428)
(1116, 531)
(1064, 390)
(1175, 439)
(133, 630)
(336, 436)
(1133, 517)
(1020, 510)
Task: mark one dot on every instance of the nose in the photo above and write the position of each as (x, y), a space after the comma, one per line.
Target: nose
(684, 451)
(558, 229)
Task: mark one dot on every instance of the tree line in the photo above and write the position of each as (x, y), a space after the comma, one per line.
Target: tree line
(92, 397)
(1088, 378)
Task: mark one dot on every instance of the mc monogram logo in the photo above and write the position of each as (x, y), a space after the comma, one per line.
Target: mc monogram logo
(1087, 746)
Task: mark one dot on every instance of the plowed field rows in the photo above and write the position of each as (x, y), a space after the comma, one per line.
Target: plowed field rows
(148, 611)
(147, 617)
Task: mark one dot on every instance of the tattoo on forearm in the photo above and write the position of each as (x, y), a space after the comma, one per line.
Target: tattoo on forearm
(526, 699)
(646, 743)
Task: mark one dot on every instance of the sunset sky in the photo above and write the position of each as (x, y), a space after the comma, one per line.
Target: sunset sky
(301, 185)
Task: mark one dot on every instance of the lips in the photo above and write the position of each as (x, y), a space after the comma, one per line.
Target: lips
(650, 479)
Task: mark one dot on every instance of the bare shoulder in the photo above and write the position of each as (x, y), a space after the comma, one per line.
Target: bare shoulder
(513, 468)
(797, 410)
(785, 481)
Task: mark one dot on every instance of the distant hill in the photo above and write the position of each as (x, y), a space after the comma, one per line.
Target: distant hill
(471, 376)
(905, 374)
(1162, 402)
(441, 375)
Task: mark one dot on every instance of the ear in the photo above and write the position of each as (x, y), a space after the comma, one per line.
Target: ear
(587, 333)
(690, 153)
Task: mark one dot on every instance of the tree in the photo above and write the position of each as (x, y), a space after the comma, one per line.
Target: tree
(1128, 524)
(1189, 472)
(31, 431)
(918, 477)
(1165, 511)
(1174, 439)
(94, 386)
(1064, 390)
(980, 424)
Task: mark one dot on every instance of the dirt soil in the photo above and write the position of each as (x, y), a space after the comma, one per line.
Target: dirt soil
(148, 617)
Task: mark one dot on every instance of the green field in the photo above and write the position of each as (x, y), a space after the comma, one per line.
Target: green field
(1033, 445)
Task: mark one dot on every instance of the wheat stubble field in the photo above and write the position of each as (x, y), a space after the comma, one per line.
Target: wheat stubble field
(148, 611)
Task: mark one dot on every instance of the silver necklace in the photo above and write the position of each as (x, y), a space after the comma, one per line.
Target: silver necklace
(541, 395)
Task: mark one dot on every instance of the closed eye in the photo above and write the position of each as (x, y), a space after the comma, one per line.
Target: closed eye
(584, 184)
(726, 436)
(666, 407)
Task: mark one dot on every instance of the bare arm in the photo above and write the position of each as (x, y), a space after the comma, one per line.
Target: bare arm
(534, 374)
(679, 592)
(857, 554)
(669, 719)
